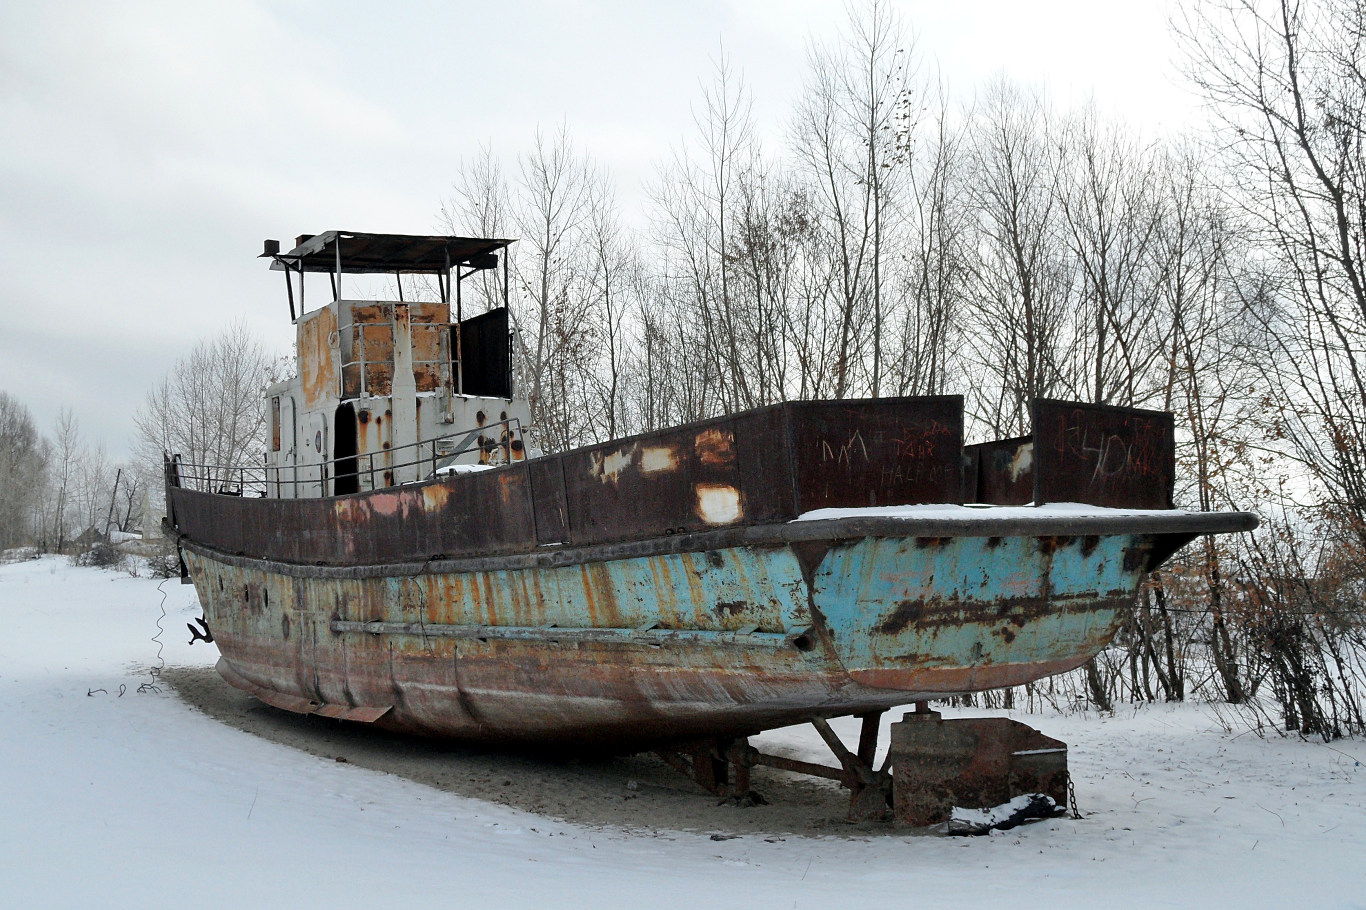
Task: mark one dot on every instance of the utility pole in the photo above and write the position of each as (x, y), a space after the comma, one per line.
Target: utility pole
(113, 497)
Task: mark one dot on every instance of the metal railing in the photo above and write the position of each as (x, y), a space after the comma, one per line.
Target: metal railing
(380, 469)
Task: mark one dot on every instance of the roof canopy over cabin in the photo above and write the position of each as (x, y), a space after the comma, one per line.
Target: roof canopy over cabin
(338, 253)
(356, 253)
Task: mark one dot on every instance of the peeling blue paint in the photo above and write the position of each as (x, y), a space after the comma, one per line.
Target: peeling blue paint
(972, 601)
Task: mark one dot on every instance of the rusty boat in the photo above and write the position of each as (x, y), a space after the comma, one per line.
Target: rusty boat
(403, 557)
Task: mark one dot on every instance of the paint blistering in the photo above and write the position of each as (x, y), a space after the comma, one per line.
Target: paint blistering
(715, 447)
(718, 504)
(610, 465)
(657, 458)
(1022, 463)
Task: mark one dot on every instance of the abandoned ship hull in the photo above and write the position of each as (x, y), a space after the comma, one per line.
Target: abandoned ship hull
(717, 633)
(709, 580)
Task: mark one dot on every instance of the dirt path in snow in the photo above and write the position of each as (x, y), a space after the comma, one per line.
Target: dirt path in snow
(638, 792)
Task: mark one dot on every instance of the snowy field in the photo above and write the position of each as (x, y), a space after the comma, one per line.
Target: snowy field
(137, 800)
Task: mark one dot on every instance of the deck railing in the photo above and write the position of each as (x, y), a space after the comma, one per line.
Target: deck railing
(301, 481)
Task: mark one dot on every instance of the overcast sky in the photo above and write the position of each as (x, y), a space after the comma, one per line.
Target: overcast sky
(149, 148)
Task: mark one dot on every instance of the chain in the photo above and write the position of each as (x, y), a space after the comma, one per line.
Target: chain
(1072, 797)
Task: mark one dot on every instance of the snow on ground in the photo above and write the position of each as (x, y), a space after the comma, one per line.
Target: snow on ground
(138, 801)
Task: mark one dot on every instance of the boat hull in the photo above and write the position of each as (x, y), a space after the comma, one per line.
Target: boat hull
(686, 641)
(674, 585)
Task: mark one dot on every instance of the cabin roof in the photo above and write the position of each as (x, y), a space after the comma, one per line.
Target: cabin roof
(372, 253)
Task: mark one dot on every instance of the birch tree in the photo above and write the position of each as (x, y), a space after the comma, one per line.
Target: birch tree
(23, 462)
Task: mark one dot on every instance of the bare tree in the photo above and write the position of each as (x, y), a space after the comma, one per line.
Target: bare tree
(1206, 381)
(613, 282)
(853, 135)
(1287, 83)
(23, 462)
(478, 207)
(93, 490)
(1108, 201)
(550, 208)
(210, 408)
(1020, 279)
(127, 497)
(695, 196)
(937, 260)
(68, 450)
(769, 256)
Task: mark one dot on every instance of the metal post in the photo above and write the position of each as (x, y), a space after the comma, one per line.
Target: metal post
(289, 288)
(459, 346)
(112, 497)
(867, 739)
(337, 288)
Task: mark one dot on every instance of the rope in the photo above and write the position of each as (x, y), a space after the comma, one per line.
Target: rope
(155, 672)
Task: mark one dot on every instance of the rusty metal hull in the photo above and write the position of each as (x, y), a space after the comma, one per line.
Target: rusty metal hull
(727, 633)
(660, 587)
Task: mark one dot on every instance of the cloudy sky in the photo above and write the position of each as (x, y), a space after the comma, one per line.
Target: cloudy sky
(148, 148)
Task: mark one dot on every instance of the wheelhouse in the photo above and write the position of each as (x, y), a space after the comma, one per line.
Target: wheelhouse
(390, 391)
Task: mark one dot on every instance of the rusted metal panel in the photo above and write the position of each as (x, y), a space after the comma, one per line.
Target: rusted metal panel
(427, 356)
(554, 635)
(376, 344)
(730, 472)
(1002, 471)
(431, 353)
(350, 380)
(877, 452)
(275, 423)
(991, 606)
(372, 313)
(970, 763)
(766, 465)
(304, 532)
(548, 500)
(430, 313)
(764, 462)
(670, 482)
(373, 441)
(492, 514)
(1106, 456)
(483, 344)
(318, 357)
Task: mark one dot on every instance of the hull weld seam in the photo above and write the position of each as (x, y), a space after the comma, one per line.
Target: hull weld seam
(651, 637)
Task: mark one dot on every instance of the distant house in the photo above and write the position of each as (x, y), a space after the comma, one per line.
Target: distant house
(87, 539)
